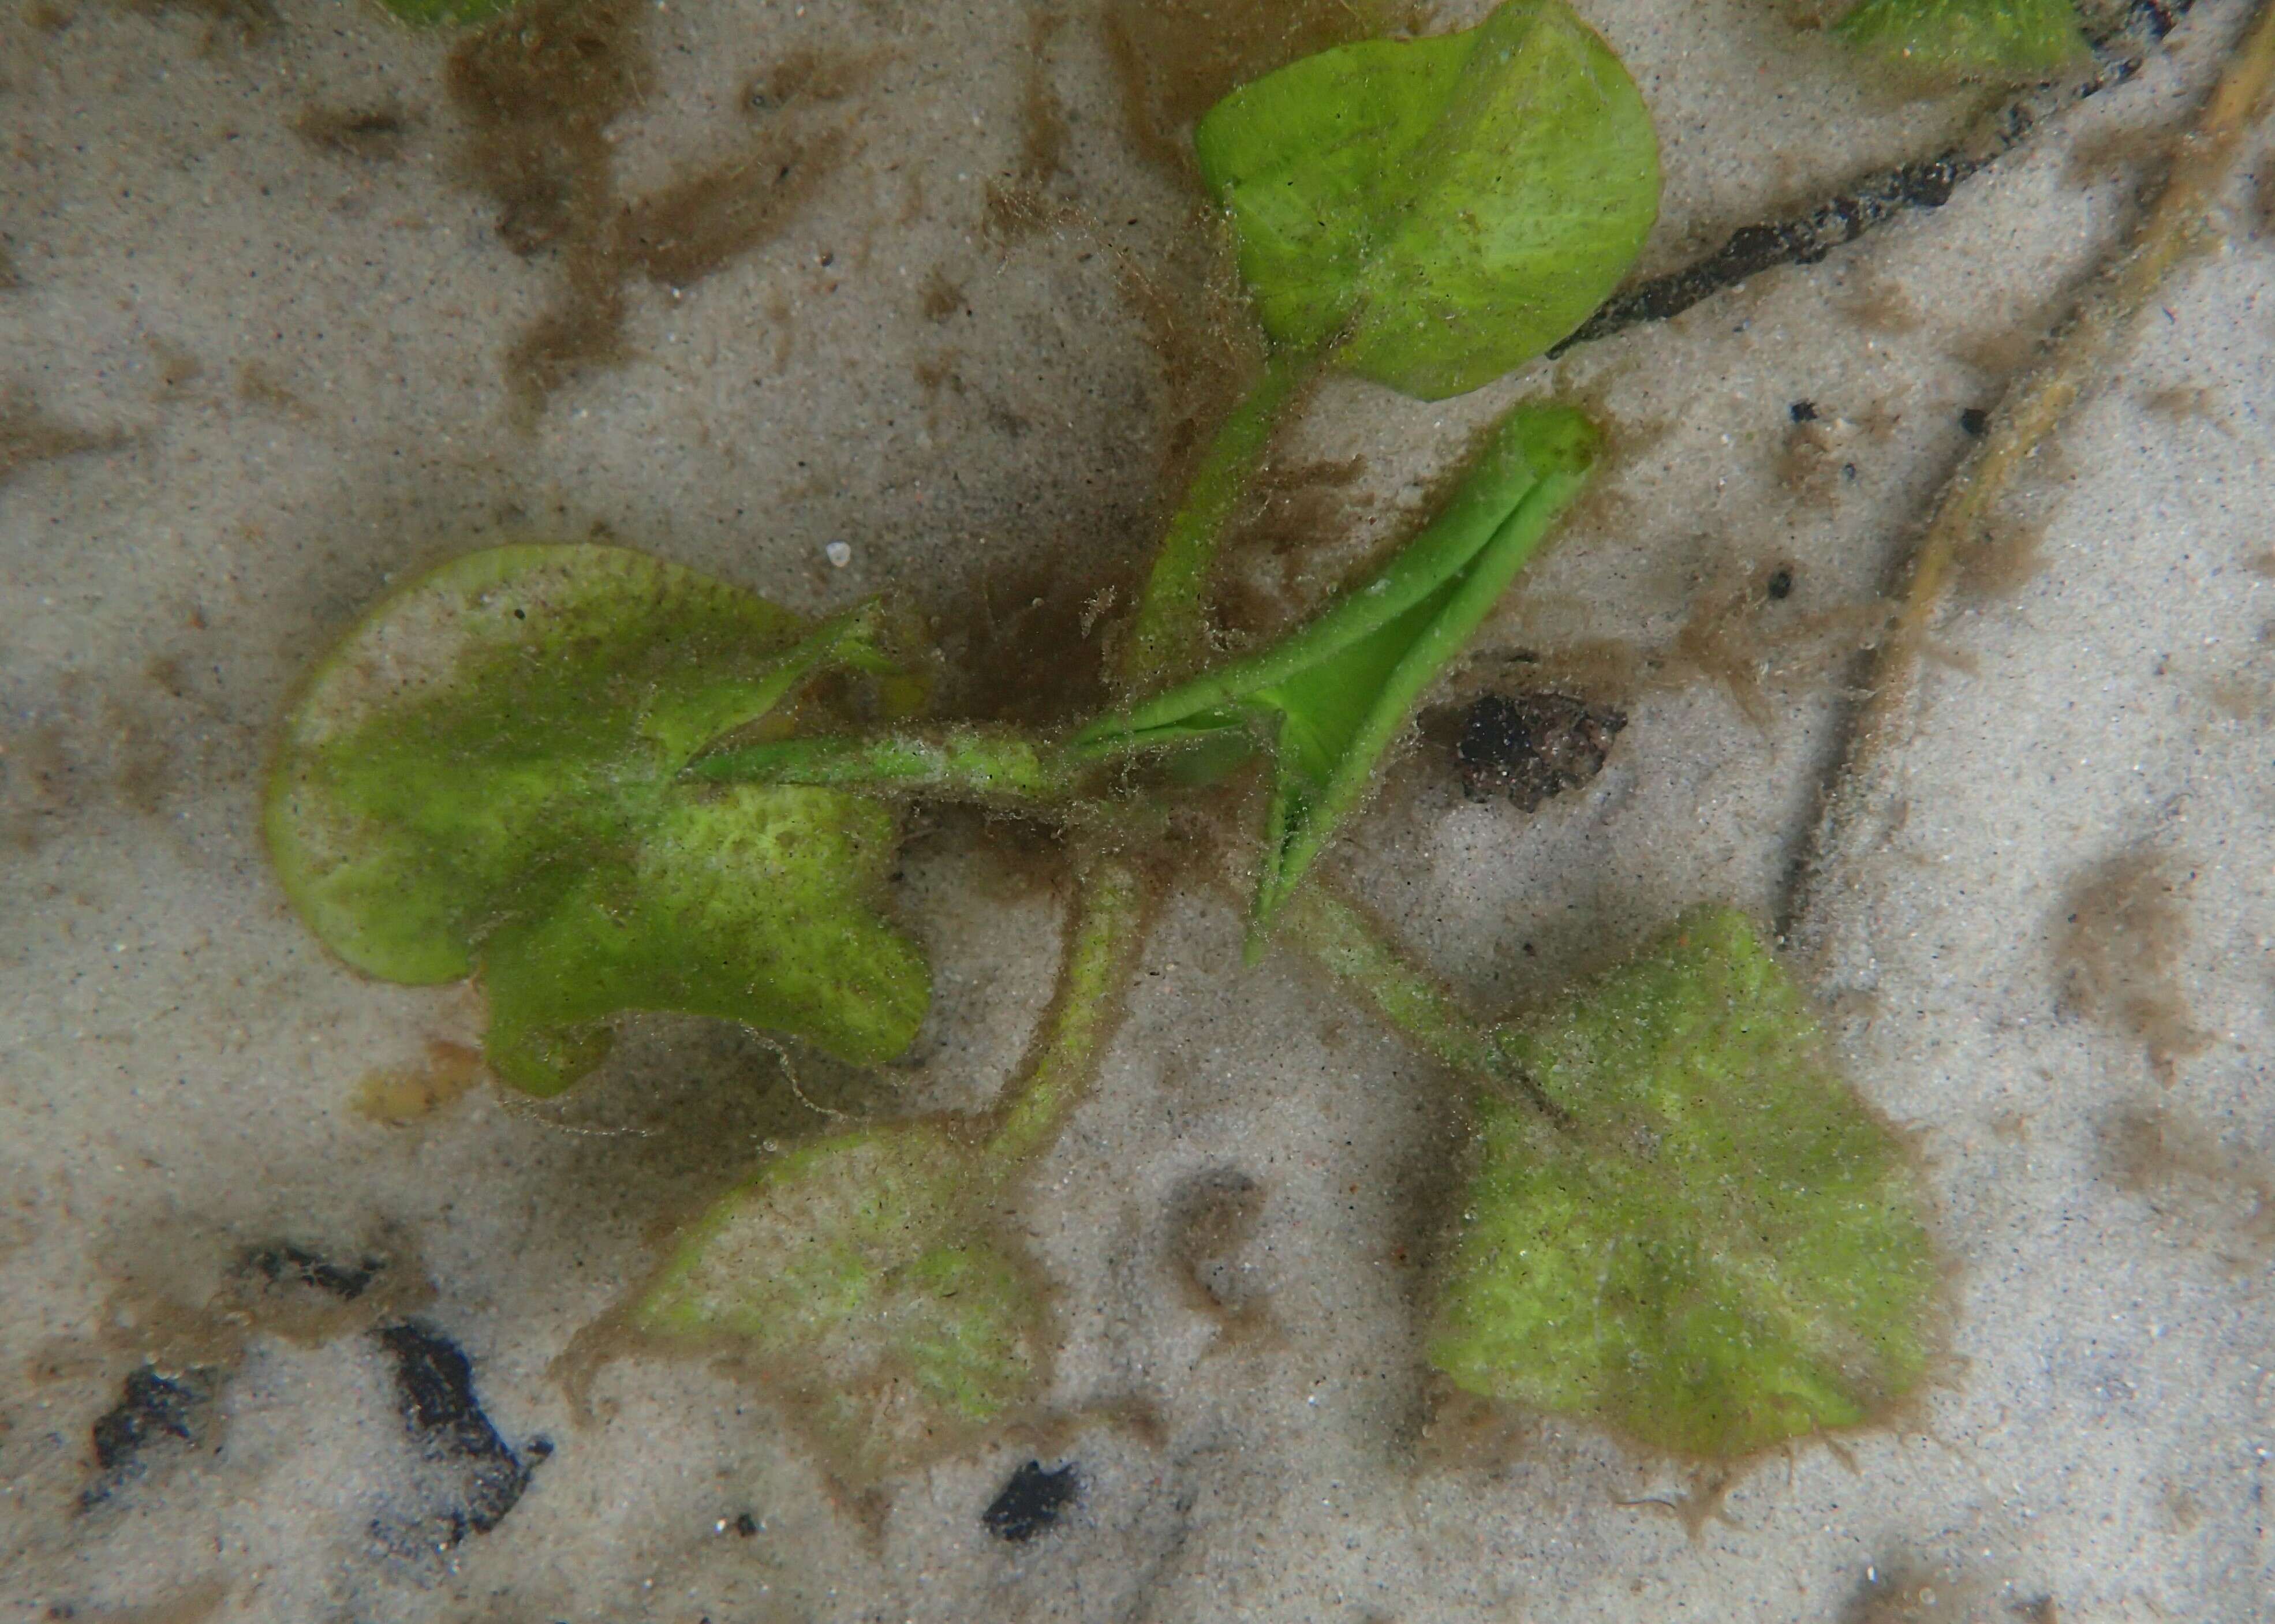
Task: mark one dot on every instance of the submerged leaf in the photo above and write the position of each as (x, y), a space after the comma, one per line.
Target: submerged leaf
(1721, 1248)
(482, 778)
(446, 13)
(858, 1274)
(2006, 40)
(1334, 696)
(1440, 209)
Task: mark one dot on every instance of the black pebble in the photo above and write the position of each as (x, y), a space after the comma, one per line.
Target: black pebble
(1032, 1502)
(1781, 584)
(1802, 411)
(435, 1389)
(151, 1406)
(1975, 421)
(1534, 744)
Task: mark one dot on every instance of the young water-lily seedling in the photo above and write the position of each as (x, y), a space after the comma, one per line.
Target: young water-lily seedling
(598, 782)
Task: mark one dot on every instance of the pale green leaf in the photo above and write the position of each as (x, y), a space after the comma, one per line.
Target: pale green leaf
(1719, 1247)
(482, 778)
(2004, 40)
(862, 1276)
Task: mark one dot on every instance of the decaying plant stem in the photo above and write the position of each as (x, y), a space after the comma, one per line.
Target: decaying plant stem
(2090, 341)
(1104, 934)
(1870, 200)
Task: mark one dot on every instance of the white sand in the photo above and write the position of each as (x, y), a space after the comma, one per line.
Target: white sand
(177, 1056)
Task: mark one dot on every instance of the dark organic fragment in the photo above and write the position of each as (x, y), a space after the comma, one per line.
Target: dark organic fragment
(375, 133)
(2121, 950)
(682, 233)
(28, 435)
(539, 88)
(2119, 51)
(435, 1389)
(1532, 746)
(153, 1404)
(1032, 1501)
(284, 1264)
(1212, 1218)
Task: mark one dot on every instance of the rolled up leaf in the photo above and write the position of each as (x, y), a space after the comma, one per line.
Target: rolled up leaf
(1333, 697)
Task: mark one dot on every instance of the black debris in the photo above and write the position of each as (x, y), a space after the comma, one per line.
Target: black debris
(1032, 1502)
(284, 1264)
(1780, 587)
(435, 1388)
(1803, 411)
(149, 1406)
(2119, 53)
(1975, 421)
(1531, 745)
(1802, 240)
(746, 1525)
(152, 1406)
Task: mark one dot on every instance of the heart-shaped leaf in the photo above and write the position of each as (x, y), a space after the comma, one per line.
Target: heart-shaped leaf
(860, 1276)
(482, 777)
(2007, 40)
(1439, 209)
(1718, 1248)
(1334, 696)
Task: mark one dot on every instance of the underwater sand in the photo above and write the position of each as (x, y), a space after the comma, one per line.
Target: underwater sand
(258, 359)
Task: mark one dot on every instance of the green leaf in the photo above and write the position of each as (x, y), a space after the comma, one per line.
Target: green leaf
(446, 13)
(1720, 1248)
(860, 1276)
(482, 778)
(2009, 41)
(1334, 696)
(1440, 209)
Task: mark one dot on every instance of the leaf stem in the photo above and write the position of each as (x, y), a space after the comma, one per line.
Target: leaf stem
(1338, 936)
(963, 761)
(1166, 636)
(1105, 936)
(1107, 930)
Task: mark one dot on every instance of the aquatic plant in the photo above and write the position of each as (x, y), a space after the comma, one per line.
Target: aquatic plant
(601, 782)
(2006, 41)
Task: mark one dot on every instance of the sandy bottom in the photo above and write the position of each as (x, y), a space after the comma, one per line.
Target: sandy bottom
(266, 347)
